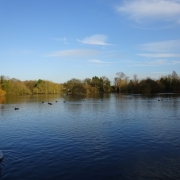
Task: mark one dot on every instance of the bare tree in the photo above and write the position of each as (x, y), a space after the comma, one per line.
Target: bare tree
(119, 77)
(126, 80)
(135, 78)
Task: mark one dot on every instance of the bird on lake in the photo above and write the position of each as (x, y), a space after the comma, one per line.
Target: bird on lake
(49, 103)
(42, 101)
(56, 101)
(16, 108)
(1, 155)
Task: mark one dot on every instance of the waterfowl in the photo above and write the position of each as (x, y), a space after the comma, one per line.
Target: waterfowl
(56, 101)
(1, 155)
(50, 103)
(16, 108)
(42, 101)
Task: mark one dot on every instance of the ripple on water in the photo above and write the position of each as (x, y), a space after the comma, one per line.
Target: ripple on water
(117, 138)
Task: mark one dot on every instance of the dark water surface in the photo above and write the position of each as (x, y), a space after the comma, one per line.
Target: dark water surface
(119, 137)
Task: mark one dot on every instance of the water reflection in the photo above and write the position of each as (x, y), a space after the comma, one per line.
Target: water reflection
(12, 99)
(121, 137)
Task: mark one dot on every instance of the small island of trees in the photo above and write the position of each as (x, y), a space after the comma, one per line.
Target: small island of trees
(121, 84)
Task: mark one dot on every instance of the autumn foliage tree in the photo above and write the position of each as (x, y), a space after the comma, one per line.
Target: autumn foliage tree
(15, 86)
(122, 84)
(74, 86)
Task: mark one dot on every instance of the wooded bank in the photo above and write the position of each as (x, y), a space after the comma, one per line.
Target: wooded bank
(121, 84)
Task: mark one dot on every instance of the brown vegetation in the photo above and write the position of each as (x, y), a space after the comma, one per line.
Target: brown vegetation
(169, 83)
(2, 93)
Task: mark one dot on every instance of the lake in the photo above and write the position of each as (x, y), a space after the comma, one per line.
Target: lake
(111, 136)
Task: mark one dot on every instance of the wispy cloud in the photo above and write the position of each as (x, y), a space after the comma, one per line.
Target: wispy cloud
(163, 46)
(158, 62)
(74, 53)
(64, 40)
(96, 61)
(97, 39)
(99, 63)
(154, 28)
(160, 55)
(165, 10)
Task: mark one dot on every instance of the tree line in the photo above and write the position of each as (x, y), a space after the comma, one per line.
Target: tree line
(16, 87)
(121, 84)
(165, 84)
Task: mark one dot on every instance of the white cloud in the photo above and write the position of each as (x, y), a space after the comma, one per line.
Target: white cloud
(64, 40)
(166, 10)
(162, 49)
(98, 61)
(160, 55)
(74, 53)
(97, 39)
(163, 46)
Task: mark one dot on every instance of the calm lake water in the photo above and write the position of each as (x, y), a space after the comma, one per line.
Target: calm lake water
(88, 138)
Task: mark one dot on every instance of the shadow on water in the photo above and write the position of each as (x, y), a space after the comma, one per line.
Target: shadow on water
(12, 99)
(0, 171)
(15, 99)
(72, 98)
(1, 164)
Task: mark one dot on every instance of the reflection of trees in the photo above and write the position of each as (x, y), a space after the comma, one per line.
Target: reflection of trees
(12, 99)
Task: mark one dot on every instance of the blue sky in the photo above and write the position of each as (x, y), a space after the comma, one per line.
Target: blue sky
(62, 39)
